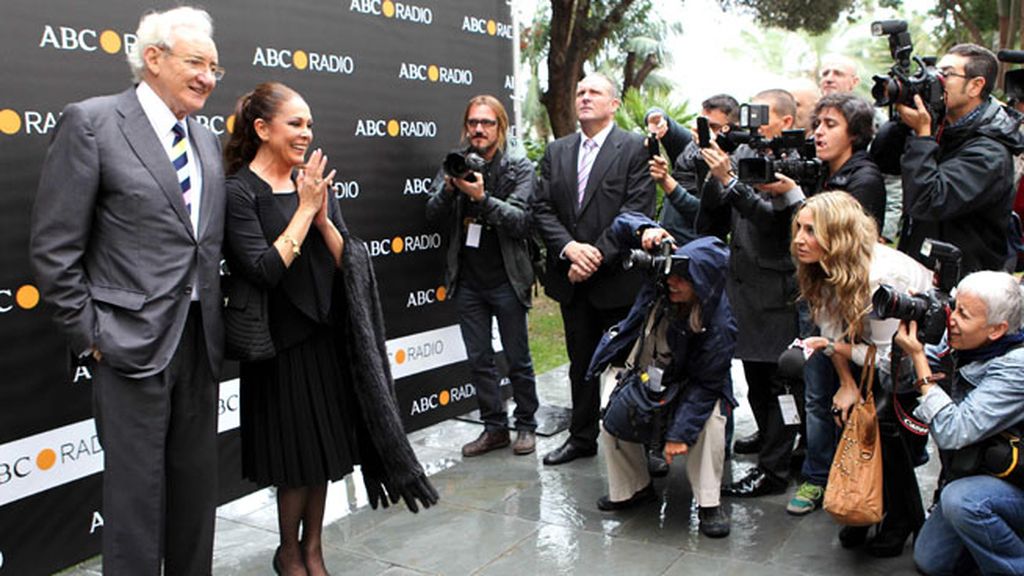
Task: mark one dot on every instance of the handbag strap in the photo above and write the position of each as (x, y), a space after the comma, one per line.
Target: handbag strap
(867, 374)
(652, 316)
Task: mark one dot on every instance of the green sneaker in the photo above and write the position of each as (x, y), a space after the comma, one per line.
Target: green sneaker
(806, 500)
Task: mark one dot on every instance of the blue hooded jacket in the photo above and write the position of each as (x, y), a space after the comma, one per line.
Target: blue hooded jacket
(701, 361)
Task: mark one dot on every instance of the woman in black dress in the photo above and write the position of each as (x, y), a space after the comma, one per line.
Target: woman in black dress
(299, 418)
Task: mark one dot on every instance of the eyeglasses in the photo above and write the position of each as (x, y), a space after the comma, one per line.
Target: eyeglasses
(485, 122)
(198, 65)
(947, 72)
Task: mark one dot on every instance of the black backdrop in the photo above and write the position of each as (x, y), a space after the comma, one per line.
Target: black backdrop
(386, 81)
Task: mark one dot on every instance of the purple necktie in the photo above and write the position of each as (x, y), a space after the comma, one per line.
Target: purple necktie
(583, 168)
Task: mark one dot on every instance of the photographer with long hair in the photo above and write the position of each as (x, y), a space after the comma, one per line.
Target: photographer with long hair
(978, 521)
(839, 265)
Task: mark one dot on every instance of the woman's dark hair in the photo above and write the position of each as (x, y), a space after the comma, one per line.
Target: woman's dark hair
(263, 102)
(859, 114)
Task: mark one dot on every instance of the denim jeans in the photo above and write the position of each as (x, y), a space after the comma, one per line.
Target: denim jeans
(979, 518)
(820, 385)
(476, 308)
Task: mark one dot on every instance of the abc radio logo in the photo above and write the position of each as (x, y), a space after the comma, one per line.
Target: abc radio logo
(401, 245)
(416, 186)
(27, 122)
(375, 128)
(25, 298)
(442, 398)
(486, 27)
(216, 123)
(396, 10)
(86, 40)
(303, 60)
(419, 298)
(346, 190)
(46, 459)
(435, 73)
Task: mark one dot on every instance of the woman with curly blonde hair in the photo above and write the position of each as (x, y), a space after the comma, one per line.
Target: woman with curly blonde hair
(839, 265)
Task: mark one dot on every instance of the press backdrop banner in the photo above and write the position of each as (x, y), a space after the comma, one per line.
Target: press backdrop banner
(387, 82)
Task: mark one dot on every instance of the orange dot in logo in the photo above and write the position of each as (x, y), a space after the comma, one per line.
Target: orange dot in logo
(388, 8)
(400, 357)
(441, 293)
(433, 73)
(46, 459)
(492, 28)
(444, 397)
(110, 41)
(27, 297)
(230, 124)
(10, 122)
(393, 128)
(397, 245)
(300, 60)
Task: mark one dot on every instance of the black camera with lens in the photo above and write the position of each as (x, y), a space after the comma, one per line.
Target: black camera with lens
(929, 309)
(791, 154)
(659, 263)
(462, 164)
(899, 86)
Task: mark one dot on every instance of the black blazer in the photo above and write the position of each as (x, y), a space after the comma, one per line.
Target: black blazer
(620, 181)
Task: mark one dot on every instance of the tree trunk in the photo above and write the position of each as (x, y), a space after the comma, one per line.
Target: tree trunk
(575, 38)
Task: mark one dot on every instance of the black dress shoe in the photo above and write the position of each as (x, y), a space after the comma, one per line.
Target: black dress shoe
(645, 495)
(567, 453)
(748, 444)
(853, 536)
(889, 542)
(713, 522)
(757, 482)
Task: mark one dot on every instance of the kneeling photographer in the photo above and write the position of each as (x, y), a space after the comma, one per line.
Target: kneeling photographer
(979, 518)
(676, 345)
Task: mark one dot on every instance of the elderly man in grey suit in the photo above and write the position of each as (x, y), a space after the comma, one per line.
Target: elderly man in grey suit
(126, 245)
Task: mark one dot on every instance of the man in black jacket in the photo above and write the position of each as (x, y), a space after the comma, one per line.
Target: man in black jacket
(763, 291)
(488, 271)
(958, 179)
(587, 179)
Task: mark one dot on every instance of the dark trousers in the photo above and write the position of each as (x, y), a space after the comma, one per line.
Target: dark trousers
(159, 437)
(584, 324)
(764, 386)
(476, 307)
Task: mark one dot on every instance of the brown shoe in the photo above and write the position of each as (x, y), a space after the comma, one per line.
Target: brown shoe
(486, 442)
(526, 443)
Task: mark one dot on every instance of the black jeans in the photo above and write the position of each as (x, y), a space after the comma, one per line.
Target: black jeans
(476, 308)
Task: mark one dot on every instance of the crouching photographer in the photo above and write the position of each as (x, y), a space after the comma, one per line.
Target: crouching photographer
(972, 410)
(676, 345)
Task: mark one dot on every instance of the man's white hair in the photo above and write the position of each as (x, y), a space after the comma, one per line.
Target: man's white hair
(1001, 294)
(157, 29)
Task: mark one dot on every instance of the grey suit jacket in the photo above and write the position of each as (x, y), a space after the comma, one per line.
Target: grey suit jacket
(112, 246)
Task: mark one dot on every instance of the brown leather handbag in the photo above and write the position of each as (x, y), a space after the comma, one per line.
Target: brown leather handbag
(854, 493)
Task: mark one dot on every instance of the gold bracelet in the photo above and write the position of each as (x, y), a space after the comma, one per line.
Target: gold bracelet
(295, 245)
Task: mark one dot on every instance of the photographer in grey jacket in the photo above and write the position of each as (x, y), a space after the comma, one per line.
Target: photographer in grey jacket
(485, 213)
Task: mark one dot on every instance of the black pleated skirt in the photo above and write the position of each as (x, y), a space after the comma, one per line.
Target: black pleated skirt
(296, 416)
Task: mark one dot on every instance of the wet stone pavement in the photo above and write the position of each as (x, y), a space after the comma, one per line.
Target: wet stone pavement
(505, 514)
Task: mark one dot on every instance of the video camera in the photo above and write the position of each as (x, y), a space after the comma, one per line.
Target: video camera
(1013, 80)
(791, 154)
(930, 309)
(660, 263)
(899, 86)
(462, 164)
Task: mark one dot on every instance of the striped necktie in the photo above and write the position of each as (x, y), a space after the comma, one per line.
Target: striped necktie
(179, 157)
(583, 169)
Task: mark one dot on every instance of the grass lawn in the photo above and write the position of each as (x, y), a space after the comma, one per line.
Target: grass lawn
(547, 339)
